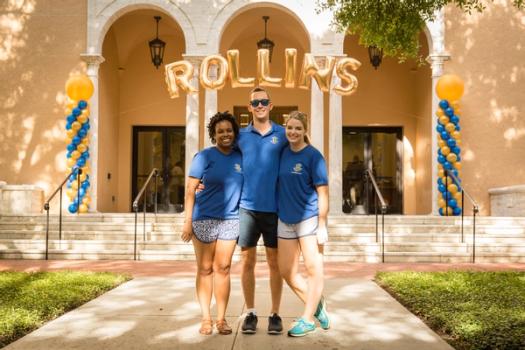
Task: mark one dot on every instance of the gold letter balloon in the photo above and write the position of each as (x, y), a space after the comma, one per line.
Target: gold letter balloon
(449, 89)
(79, 89)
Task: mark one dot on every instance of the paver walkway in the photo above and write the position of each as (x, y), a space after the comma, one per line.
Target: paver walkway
(158, 310)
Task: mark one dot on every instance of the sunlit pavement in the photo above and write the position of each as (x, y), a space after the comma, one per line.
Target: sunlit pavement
(160, 312)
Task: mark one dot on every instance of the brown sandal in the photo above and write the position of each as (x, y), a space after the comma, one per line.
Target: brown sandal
(223, 328)
(206, 327)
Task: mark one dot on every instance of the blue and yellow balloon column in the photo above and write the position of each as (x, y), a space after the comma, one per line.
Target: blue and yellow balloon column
(79, 89)
(449, 89)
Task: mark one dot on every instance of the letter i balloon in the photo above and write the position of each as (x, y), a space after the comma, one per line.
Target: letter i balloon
(449, 89)
(79, 89)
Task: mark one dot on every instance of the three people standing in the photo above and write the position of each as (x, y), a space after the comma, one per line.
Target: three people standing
(299, 216)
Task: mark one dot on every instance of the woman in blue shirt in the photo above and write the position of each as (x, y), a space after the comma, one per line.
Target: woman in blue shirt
(212, 217)
(302, 211)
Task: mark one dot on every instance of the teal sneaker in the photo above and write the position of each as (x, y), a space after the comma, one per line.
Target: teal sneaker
(301, 328)
(321, 315)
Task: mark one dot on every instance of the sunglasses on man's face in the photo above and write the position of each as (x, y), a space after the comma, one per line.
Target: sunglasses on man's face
(264, 102)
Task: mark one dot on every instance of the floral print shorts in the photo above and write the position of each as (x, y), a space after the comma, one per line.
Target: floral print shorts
(210, 230)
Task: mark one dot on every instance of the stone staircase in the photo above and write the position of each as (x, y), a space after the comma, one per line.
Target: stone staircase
(352, 238)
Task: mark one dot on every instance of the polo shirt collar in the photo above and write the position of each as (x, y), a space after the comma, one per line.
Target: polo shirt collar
(251, 128)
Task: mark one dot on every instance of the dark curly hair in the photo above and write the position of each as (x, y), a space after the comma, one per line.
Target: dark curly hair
(219, 117)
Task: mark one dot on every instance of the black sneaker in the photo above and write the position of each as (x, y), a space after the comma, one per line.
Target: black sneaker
(275, 324)
(249, 326)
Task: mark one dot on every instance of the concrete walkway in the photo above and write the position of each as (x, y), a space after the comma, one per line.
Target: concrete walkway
(160, 312)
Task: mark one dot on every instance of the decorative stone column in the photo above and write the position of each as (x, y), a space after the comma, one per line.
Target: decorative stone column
(437, 62)
(335, 146)
(192, 114)
(93, 62)
(317, 111)
(210, 105)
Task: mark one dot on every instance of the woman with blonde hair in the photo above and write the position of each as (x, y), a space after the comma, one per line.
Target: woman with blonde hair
(302, 211)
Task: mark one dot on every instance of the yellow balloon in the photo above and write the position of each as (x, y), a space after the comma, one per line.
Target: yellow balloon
(452, 158)
(457, 197)
(450, 127)
(290, 58)
(445, 150)
(179, 74)
(456, 135)
(70, 162)
(452, 188)
(455, 106)
(444, 120)
(310, 69)
(448, 211)
(70, 133)
(222, 72)
(79, 87)
(83, 177)
(341, 69)
(71, 193)
(86, 200)
(75, 154)
(441, 143)
(76, 126)
(71, 104)
(441, 203)
(68, 140)
(440, 166)
(450, 87)
(74, 185)
(440, 113)
(441, 172)
(457, 165)
(81, 148)
(458, 142)
(86, 111)
(83, 208)
(82, 118)
(446, 180)
(86, 170)
(85, 141)
(67, 111)
(233, 64)
(263, 70)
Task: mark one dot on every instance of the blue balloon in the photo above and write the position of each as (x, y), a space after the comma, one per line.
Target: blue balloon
(452, 203)
(68, 154)
(71, 118)
(443, 104)
(455, 172)
(82, 133)
(76, 112)
(439, 152)
(447, 165)
(85, 155)
(441, 159)
(82, 104)
(81, 162)
(72, 208)
(440, 182)
(87, 126)
(81, 192)
(458, 128)
(458, 158)
(68, 184)
(440, 128)
(449, 112)
(441, 212)
(71, 147)
(456, 150)
(451, 142)
(85, 184)
(68, 126)
(454, 119)
(457, 211)
(444, 135)
(76, 140)
(442, 188)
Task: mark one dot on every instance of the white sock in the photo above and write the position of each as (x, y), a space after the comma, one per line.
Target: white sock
(252, 311)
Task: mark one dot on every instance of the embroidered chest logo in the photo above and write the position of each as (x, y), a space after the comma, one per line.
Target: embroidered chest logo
(237, 168)
(298, 168)
(274, 140)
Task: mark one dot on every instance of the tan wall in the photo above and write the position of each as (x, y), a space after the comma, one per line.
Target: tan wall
(108, 126)
(41, 43)
(396, 94)
(487, 51)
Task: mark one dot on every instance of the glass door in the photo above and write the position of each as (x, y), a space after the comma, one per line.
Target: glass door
(162, 148)
(377, 149)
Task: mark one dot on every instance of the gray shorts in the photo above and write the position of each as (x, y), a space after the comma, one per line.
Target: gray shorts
(210, 230)
(304, 228)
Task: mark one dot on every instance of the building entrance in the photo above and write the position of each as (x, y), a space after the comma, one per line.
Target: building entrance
(379, 149)
(163, 148)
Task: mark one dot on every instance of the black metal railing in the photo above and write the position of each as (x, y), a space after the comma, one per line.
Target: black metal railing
(370, 177)
(74, 173)
(143, 193)
(475, 209)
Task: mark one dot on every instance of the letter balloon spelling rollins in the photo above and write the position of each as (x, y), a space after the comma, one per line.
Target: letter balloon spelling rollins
(79, 89)
(449, 89)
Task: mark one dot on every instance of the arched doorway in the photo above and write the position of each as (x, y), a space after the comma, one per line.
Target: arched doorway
(387, 128)
(140, 127)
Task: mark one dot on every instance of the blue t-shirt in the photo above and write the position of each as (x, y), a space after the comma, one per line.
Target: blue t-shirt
(299, 174)
(260, 164)
(222, 177)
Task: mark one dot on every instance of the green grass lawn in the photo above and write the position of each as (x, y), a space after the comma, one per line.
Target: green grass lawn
(471, 310)
(28, 300)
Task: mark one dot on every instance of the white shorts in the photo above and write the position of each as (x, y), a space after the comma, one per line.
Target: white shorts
(304, 228)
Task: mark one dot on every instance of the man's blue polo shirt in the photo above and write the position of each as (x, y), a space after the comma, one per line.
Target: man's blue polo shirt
(261, 155)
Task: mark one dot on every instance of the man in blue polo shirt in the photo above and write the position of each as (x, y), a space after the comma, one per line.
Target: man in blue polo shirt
(261, 144)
